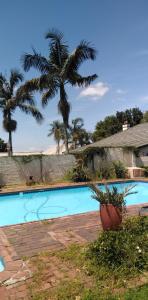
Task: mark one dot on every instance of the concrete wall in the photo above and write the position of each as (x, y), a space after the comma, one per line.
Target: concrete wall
(47, 168)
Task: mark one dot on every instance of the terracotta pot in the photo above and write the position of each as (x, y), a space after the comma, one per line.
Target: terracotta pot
(111, 216)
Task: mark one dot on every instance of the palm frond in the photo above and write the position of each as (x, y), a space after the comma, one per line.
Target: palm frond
(15, 78)
(2, 103)
(50, 93)
(78, 123)
(24, 96)
(46, 81)
(10, 104)
(56, 128)
(31, 85)
(83, 52)
(77, 79)
(128, 191)
(54, 34)
(2, 79)
(31, 109)
(58, 49)
(4, 87)
(35, 60)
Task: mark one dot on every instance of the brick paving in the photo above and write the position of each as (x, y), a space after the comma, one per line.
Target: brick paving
(27, 240)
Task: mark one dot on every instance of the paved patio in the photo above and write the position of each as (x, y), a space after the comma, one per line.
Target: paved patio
(27, 240)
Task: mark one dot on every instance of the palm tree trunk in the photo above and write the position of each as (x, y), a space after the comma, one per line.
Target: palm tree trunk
(10, 149)
(64, 110)
(58, 147)
(66, 139)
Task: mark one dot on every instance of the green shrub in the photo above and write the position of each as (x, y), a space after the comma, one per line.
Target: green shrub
(146, 171)
(125, 249)
(106, 170)
(120, 170)
(110, 170)
(79, 173)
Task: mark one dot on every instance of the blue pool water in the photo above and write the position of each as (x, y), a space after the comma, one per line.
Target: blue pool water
(2, 264)
(39, 205)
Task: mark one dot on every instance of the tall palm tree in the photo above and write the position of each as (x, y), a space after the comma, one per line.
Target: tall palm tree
(12, 98)
(57, 70)
(56, 129)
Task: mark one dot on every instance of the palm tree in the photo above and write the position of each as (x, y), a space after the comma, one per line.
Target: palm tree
(76, 127)
(56, 129)
(57, 70)
(79, 135)
(12, 98)
(85, 137)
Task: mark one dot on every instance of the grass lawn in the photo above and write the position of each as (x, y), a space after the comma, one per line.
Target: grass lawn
(111, 268)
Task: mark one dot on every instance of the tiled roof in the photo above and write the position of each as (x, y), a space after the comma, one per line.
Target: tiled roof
(136, 136)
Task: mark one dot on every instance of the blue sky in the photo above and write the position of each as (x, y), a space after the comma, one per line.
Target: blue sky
(119, 31)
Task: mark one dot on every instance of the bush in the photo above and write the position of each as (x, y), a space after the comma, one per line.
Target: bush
(146, 171)
(109, 170)
(106, 170)
(125, 249)
(78, 173)
(120, 170)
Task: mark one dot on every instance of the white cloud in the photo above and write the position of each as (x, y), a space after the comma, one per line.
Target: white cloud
(95, 91)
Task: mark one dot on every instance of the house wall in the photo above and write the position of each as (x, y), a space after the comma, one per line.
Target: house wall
(127, 156)
(111, 154)
(47, 168)
(142, 159)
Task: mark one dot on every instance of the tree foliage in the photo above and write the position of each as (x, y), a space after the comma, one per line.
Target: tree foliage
(79, 135)
(145, 117)
(57, 131)
(13, 97)
(3, 146)
(113, 124)
(57, 70)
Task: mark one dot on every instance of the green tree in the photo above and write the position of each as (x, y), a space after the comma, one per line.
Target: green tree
(110, 125)
(57, 70)
(113, 124)
(79, 135)
(133, 116)
(3, 146)
(145, 117)
(85, 137)
(56, 129)
(12, 98)
(75, 129)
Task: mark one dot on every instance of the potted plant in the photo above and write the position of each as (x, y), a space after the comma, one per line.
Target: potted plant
(112, 205)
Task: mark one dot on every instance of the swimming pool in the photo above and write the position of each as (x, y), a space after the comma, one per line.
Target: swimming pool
(2, 264)
(39, 205)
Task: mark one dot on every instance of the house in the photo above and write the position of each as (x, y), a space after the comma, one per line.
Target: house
(129, 146)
